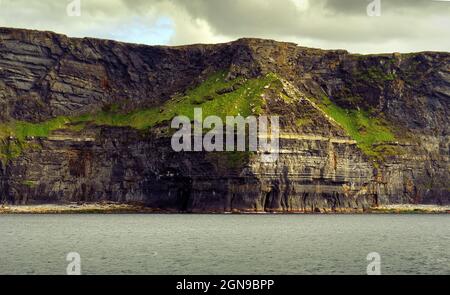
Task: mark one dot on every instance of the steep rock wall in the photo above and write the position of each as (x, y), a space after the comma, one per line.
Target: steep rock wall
(44, 75)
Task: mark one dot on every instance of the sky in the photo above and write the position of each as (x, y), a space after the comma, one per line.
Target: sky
(360, 26)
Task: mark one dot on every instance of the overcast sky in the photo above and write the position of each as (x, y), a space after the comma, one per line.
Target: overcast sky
(403, 25)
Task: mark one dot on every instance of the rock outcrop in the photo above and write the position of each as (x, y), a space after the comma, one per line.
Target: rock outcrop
(356, 130)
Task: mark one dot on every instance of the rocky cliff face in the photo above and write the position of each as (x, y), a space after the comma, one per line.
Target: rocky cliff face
(88, 120)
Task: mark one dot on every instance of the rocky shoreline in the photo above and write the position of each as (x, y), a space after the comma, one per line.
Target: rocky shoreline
(74, 208)
(117, 208)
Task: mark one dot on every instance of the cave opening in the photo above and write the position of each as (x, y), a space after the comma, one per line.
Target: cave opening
(271, 198)
(184, 194)
(184, 198)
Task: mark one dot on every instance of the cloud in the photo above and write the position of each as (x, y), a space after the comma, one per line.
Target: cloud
(341, 23)
(404, 25)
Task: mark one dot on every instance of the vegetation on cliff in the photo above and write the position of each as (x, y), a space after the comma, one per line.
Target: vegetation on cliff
(360, 125)
(216, 96)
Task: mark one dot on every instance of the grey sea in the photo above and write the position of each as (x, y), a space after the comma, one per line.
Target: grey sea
(225, 244)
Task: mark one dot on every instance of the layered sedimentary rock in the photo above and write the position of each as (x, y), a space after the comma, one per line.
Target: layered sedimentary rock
(356, 130)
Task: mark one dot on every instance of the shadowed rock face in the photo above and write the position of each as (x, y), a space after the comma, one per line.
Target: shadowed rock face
(321, 166)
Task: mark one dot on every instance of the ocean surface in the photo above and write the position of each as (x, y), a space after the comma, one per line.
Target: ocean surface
(225, 244)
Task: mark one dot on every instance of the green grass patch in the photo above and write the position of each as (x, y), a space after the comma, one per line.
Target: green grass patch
(359, 125)
(10, 150)
(30, 183)
(230, 160)
(303, 122)
(374, 74)
(216, 96)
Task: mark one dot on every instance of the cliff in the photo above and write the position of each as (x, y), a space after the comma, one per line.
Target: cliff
(87, 120)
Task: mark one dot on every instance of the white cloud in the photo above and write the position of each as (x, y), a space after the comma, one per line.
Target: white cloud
(301, 5)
